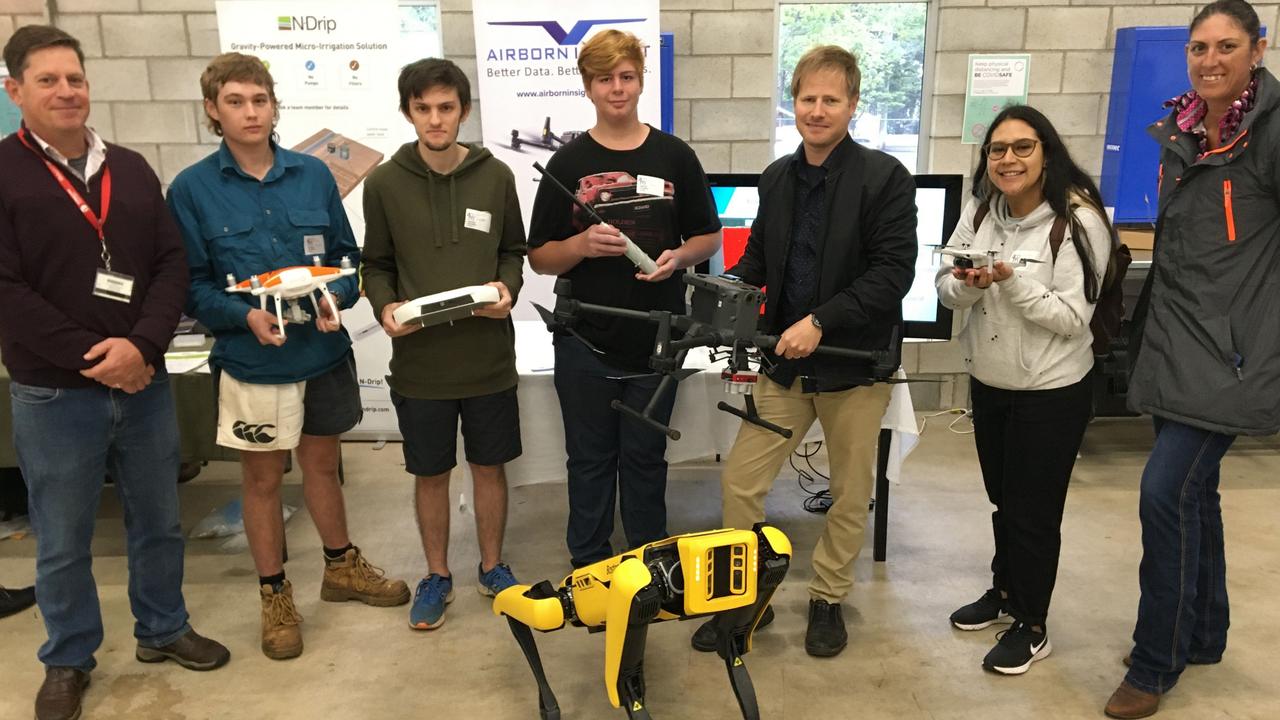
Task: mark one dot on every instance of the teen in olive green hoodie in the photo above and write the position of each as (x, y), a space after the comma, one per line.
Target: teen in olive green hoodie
(418, 241)
(442, 215)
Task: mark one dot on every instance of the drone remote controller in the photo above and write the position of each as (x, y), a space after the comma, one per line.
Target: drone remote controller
(637, 256)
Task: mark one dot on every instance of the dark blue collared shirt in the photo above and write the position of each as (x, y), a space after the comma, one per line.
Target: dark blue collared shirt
(808, 223)
(234, 224)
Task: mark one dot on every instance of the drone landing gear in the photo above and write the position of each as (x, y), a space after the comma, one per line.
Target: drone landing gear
(666, 385)
(752, 416)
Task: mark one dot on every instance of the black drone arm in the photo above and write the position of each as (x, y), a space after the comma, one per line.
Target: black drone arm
(884, 363)
(724, 312)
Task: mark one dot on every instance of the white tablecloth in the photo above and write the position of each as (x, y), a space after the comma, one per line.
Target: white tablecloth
(705, 430)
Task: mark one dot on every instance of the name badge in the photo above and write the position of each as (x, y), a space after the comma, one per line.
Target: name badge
(313, 245)
(650, 185)
(478, 220)
(113, 286)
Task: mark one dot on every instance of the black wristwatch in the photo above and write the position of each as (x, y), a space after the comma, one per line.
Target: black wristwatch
(816, 322)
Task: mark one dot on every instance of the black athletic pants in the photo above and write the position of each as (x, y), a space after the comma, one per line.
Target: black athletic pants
(1027, 443)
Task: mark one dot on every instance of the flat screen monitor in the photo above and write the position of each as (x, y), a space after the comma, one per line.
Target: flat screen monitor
(938, 211)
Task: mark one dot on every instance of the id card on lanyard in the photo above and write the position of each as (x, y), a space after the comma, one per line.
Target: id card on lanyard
(106, 283)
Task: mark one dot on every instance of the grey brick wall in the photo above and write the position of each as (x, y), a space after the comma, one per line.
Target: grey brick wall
(146, 57)
(16, 13)
(143, 59)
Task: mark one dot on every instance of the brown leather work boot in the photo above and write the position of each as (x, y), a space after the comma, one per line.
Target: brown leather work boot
(1128, 702)
(61, 693)
(192, 651)
(281, 636)
(351, 577)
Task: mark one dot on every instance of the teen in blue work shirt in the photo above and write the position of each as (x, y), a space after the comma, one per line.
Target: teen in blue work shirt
(247, 209)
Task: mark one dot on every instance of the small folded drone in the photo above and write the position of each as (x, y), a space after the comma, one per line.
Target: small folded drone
(729, 575)
(968, 259)
(447, 306)
(288, 285)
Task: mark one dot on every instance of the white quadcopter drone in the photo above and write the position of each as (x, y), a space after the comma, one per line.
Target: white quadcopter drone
(447, 306)
(968, 259)
(287, 285)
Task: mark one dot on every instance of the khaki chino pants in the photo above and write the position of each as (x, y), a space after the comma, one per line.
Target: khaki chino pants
(851, 422)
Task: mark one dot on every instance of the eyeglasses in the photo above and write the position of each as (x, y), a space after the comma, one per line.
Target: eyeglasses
(1022, 148)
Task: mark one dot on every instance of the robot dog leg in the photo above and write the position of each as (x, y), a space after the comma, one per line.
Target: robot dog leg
(729, 574)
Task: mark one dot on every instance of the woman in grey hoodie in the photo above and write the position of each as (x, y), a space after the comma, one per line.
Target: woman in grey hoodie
(1041, 246)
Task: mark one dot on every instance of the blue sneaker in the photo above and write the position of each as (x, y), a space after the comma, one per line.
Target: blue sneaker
(429, 601)
(496, 580)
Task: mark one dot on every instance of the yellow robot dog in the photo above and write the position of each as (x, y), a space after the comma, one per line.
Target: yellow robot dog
(730, 574)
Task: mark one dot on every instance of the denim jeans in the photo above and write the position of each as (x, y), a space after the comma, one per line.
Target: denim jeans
(608, 452)
(67, 441)
(1183, 613)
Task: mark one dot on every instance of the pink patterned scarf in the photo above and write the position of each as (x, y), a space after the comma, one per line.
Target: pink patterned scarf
(1191, 109)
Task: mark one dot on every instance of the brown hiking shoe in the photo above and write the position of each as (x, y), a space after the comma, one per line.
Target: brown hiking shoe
(192, 651)
(351, 577)
(60, 694)
(281, 636)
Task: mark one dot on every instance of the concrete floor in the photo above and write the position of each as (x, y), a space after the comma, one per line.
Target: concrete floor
(903, 661)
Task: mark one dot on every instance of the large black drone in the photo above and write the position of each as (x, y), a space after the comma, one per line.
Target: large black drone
(723, 316)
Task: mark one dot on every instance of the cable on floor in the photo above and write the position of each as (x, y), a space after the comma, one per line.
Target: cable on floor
(817, 500)
(964, 414)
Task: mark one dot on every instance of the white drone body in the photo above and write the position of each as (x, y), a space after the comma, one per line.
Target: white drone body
(447, 306)
(286, 285)
(985, 258)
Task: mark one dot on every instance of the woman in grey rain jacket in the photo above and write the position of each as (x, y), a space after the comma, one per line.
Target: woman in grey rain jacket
(1207, 335)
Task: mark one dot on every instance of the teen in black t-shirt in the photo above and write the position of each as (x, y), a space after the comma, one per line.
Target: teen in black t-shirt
(649, 185)
(609, 181)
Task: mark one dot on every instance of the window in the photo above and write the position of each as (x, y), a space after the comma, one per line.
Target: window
(419, 30)
(889, 41)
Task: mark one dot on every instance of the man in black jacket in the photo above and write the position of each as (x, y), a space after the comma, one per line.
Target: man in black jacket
(835, 245)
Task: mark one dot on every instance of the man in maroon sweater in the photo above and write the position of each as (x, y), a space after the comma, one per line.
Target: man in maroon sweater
(92, 281)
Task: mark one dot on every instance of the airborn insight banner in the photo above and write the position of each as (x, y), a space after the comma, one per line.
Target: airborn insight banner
(531, 94)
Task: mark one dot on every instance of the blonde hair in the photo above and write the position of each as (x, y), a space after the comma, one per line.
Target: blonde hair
(828, 57)
(603, 52)
(234, 67)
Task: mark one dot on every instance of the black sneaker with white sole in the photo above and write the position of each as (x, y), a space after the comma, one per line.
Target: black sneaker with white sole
(983, 612)
(1016, 648)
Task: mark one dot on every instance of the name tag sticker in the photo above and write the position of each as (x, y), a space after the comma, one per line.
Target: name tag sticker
(479, 220)
(650, 185)
(113, 286)
(313, 245)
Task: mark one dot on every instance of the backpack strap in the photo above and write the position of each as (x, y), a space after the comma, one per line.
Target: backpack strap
(1059, 231)
(979, 215)
(1056, 235)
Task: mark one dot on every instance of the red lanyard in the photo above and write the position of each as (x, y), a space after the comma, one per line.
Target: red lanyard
(98, 224)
